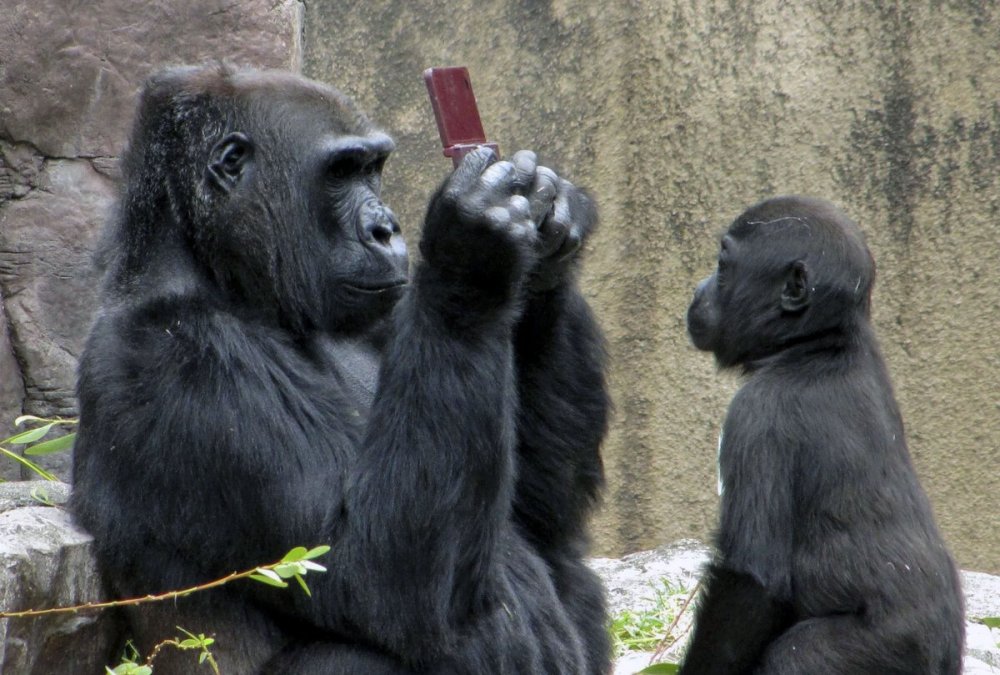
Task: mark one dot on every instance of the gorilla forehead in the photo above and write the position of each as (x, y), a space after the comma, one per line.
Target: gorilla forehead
(805, 228)
(298, 105)
(791, 214)
(278, 101)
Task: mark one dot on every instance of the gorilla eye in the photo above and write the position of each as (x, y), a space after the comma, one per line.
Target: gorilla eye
(229, 158)
(233, 155)
(721, 272)
(725, 257)
(374, 167)
(345, 167)
(354, 166)
(725, 262)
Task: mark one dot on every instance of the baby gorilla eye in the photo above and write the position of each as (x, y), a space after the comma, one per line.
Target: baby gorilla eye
(724, 266)
(722, 270)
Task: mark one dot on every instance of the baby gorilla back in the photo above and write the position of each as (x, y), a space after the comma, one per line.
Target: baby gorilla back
(827, 544)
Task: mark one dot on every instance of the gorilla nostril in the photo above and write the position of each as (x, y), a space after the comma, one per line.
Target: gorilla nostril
(381, 232)
(380, 224)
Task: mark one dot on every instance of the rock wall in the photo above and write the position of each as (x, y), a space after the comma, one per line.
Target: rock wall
(48, 562)
(68, 79)
(678, 115)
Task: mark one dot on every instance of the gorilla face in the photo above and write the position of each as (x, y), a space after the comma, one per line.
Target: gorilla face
(293, 218)
(790, 270)
(366, 268)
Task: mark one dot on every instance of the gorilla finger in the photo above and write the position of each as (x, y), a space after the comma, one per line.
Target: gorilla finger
(570, 245)
(525, 163)
(580, 207)
(561, 212)
(498, 177)
(520, 209)
(551, 237)
(498, 216)
(542, 193)
(472, 166)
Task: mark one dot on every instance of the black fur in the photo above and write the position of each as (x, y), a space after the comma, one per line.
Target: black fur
(829, 560)
(262, 374)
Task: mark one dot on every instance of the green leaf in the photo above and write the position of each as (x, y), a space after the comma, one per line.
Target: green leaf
(31, 465)
(302, 583)
(295, 555)
(129, 668)
(288, 570)
(51, 446)
(202, 657)
(312, 567)
(41, 495)
(991, 621)
(660, 669)
(28, 418)
(266, 578)
(29, 436)
(316, 552)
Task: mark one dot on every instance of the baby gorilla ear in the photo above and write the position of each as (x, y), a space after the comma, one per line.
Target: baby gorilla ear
(228, 160)
(796, 294)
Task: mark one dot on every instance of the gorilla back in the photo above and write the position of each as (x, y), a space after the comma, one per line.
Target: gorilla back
(829, 560)
(263, 373)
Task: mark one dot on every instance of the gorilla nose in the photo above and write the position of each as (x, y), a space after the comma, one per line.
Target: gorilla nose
(381, 225)
(381, 232)
(380, 229)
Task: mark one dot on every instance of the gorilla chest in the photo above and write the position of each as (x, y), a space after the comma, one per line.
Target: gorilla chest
(356, 364)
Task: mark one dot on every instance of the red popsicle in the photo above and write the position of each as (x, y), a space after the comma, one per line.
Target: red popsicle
(455, 110)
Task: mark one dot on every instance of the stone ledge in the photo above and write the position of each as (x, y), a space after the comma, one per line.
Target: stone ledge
(631, 583)
(48, 562)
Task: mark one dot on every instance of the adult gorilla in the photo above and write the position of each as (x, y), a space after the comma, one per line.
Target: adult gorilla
(262, 374)
(829, 558)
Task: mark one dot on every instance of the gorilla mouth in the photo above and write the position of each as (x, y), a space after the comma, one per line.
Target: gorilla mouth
(376, 289)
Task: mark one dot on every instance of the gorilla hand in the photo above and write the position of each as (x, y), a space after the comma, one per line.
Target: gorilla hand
(564, 215)
(479, 237)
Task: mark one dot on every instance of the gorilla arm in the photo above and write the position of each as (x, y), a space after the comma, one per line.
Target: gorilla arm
(428, 504)
(561, 360)
(745, 599)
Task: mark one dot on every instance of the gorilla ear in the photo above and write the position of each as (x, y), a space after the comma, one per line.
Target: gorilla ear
(795, 295)
(228, 160)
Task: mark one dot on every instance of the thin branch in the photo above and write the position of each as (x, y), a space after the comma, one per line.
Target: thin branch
(666, 641)
(171, 595)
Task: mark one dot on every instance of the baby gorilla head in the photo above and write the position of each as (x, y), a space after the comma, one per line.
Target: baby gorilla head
(791, 270)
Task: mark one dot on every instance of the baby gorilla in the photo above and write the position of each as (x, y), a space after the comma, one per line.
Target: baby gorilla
(829, 560)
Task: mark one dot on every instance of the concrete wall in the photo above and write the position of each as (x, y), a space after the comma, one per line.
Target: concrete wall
(678, 115)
